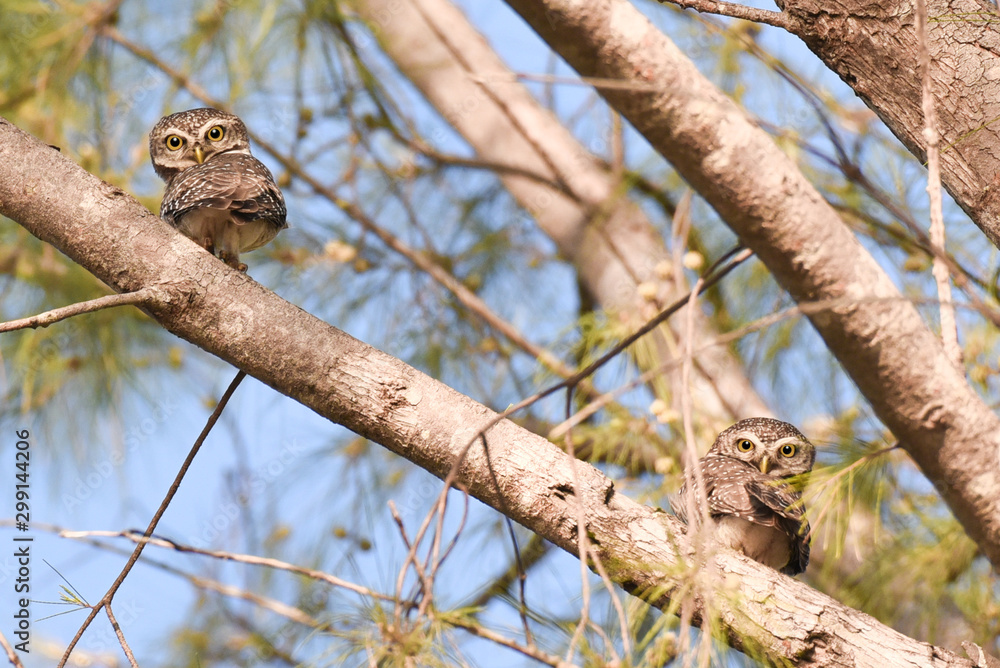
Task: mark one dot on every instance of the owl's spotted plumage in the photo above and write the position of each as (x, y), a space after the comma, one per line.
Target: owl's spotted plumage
(217, 193)
(754, 509)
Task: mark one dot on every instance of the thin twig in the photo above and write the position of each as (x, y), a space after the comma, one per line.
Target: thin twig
(582, 539)
(45, 319)
(732, 10)
(533, 552)
(14, 659)
(289, 612)
(588, 82)
(106, 600)
(434, 561)
(949, 326)
(410, 558)
(250, 559)
(696, 497)
(522, 574)
(529, 651)
(429, 563)
(522, 581)
(121, 636)
(617, 604)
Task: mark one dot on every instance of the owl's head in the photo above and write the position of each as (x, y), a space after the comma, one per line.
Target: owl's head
(189, 138)
(772, 446)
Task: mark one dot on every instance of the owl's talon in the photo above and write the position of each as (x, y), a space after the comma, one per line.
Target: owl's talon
(208, 244)
(233, 260)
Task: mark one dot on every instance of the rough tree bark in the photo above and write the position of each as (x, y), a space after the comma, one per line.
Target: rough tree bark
(875, 333)
(577, 201)
(383, 399)
(873, 47)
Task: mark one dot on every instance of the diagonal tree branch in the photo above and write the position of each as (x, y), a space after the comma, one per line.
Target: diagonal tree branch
(55, 315)
(383, 399)
(874, 47)
(937, 417)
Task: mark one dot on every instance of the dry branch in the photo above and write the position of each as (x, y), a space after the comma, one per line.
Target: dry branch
(55, 315)
(381, 398)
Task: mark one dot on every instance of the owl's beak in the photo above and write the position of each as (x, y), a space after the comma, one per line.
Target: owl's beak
(199, 154)
(764, 463)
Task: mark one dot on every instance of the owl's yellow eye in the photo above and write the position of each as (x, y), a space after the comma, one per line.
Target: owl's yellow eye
(174, 142)
(788, 450)
(745, 445)
(216, 133)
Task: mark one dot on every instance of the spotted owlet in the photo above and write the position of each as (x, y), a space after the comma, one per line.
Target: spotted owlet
(754, 509)
(217, 193)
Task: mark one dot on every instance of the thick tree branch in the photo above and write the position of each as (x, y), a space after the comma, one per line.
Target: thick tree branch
(381, 398)
(874, 47)
(937, 417)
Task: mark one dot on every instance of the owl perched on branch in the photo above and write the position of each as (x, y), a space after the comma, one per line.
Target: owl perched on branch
(754, 509)
(217, 193)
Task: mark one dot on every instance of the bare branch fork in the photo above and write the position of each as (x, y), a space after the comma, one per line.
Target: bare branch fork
(385, 400)
(105, 602)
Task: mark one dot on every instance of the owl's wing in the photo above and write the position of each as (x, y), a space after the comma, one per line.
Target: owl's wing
(736, 489)
(799, 558)
(725, 488)
(234, 182)
(677, 502)
(782, 507)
